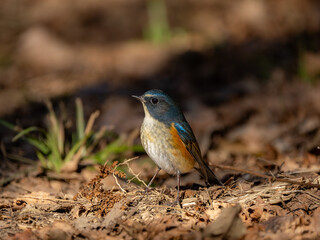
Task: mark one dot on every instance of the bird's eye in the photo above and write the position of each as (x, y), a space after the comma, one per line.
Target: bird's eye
(154, 101)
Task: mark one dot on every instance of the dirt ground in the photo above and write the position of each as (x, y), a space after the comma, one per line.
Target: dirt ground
(274, 144)
(246, 74)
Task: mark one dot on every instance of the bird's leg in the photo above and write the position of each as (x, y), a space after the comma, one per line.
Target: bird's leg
(177, 201)
(154, 176)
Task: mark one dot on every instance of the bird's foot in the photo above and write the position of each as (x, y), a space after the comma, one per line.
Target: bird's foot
(147, 190)
(175, 203)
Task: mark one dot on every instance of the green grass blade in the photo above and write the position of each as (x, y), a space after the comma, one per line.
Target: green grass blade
(42, 159)
(115, 147)
(54, 163)
(8, 125)
(158, 30)
(55, 157)
(55, 129)
(75, 148)
(39, 144)
(137, 149)
(21, 159)
(24, 132)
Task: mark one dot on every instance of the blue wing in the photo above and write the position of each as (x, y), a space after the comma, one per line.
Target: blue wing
(190, 142)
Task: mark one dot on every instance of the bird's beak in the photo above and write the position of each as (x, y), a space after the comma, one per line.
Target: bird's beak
(138, 97)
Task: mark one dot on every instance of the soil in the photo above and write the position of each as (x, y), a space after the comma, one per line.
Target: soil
(270, 142)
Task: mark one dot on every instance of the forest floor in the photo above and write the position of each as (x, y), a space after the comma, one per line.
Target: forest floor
(268, 158)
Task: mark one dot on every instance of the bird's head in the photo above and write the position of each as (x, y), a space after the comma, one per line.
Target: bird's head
(159, 105)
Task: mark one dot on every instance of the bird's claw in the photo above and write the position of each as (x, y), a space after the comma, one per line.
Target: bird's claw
(147, 190)
(176, 202)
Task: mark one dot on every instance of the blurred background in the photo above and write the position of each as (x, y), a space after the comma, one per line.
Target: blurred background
(246, 72)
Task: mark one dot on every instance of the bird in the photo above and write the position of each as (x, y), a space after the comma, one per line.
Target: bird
(169, 140)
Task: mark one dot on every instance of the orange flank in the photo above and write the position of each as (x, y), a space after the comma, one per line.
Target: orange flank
(183, 157)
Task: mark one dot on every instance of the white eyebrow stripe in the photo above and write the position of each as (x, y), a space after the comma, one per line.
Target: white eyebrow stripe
(154, 95)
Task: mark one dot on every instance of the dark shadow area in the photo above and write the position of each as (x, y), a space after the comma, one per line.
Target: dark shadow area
(230, 70)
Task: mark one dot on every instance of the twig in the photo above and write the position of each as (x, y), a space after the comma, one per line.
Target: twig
(116, 179)
(49, 199)
(308, 193)
(270, 178)
(126, 162)
(164, 206)
(309, 170)
(131, 171)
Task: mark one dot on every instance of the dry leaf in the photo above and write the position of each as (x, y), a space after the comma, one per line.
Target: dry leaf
(227, 226)
(316, 220)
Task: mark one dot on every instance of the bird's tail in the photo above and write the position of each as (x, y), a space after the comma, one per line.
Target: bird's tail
(208, 175)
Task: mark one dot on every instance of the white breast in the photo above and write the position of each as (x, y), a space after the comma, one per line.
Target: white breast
(156, 143)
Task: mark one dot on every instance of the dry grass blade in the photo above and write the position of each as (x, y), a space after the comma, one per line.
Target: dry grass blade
(96, 140)
(72, 165)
